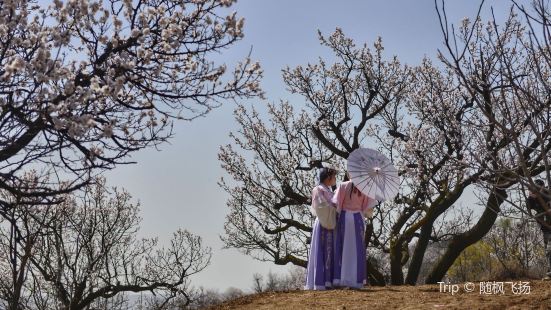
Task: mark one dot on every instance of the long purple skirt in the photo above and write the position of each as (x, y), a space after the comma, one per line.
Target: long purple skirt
(350, 251)
(319, 273)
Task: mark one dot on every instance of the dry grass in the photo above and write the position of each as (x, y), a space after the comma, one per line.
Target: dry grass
(397, 297)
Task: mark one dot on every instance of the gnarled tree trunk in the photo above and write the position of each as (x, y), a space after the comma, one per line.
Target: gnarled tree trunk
(461, 242)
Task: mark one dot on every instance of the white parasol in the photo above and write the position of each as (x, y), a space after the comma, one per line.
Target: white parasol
(373, 174)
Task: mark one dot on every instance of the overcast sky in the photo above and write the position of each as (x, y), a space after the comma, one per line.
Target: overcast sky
(177, 186)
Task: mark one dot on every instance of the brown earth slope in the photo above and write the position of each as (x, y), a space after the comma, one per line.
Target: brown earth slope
(402, 297)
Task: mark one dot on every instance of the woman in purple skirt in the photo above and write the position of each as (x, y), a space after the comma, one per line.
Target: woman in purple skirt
(349, 260)
(319, 273)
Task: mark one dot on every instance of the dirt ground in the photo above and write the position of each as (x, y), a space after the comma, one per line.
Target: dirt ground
(468, 296)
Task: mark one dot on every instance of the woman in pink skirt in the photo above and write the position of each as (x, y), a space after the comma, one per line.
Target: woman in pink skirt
(350, 255)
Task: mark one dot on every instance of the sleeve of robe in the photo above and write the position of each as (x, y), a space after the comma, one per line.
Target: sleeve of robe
(338, 197)
(368, 206)
(315, 200)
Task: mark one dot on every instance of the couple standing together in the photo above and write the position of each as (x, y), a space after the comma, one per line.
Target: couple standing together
(337, 256)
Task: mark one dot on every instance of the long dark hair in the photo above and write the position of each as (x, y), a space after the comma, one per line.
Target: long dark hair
(353, 189)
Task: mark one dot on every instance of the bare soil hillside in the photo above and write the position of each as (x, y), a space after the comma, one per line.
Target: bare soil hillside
(468, 296)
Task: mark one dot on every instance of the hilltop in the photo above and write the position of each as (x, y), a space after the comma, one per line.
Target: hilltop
(398, 297)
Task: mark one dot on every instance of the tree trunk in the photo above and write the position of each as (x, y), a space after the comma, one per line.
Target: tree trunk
(396, 274)
(419, 253)
(462, 241)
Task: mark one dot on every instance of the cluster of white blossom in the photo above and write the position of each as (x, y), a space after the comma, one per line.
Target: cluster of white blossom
(100, 79)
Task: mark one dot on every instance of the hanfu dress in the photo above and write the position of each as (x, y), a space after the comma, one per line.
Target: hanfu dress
(319, 273)
(350, 248)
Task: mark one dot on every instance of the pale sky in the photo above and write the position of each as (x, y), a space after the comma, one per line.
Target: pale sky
(177, 186)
